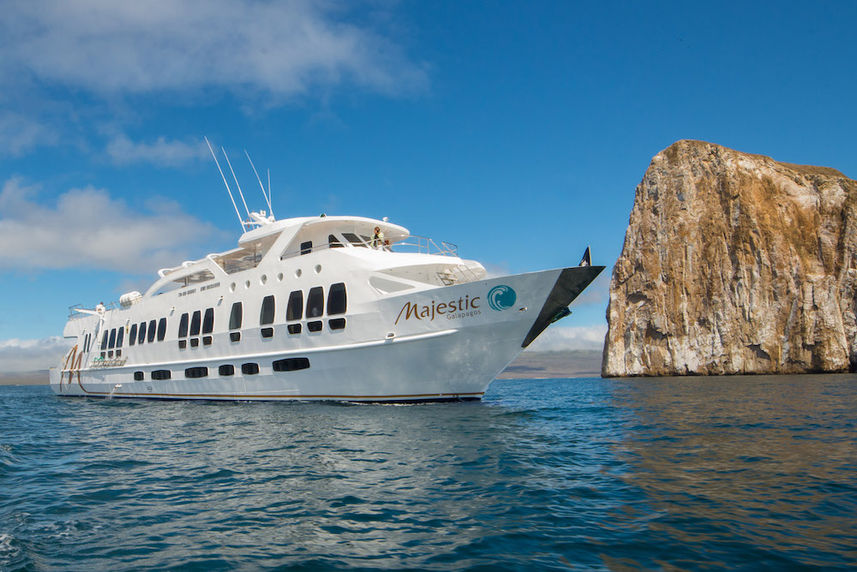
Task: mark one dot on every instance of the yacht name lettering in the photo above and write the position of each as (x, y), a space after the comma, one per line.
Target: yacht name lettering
(462, 308)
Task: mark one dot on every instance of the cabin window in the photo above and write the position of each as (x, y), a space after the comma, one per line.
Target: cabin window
(306, 247)
(315, 302)
(196, 372)
(337, 323)
(183, 325)
(161, 374)
(334, 242)
(267, 332)
(138, 376)
(195, 322)
(291, 364)
(354, 239)
(250, 368)
(294, 328)
(151, 334)
(266, 316)
(142, 335)
(132, 337)
(208, 321)
(182, 344)
(104, 339)
(296, 305)
(194, 342)
(120, 337)
(227, 369)
(314, 326)
(112, 343)
(235, 316)
(336, 299)
(162, 329)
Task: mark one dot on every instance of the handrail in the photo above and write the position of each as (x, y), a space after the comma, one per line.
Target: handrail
(421, 245)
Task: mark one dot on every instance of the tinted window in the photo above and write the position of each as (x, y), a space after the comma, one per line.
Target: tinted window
(112, 339)
(315, 302)
(194, 372)
(227, 369)
(151, 335)
(250, 368)
(142, 337)
(138, 376)
(337, 323)
(267, 332)
(314, 326)
(336, 299)
(104, 339)
(208, 321)
(333, 241)
(291, 364)
(235, 316)
(296, 305)
(183, 325)
(194, 323)
(120, 337)
(132, 337)
(266, 316)
(353, 239)
(160, 374)
(306, 247)
(162, 329)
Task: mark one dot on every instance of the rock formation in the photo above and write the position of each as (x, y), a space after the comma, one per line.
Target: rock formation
(735, 263)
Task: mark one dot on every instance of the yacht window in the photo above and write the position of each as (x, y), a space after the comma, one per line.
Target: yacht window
(291, 364)
(182, 344)
(196, 372)
(162, 329)
(315, 302)
(208, 321)
(334, 242)
(296, 305)
(306, 247)
(235, 316)
(314, 326)
(161, 374)
(354, 239)
(227, 369)
(194, 323)
(138, 376)
(112, 343)
(194, 342)
(183, 325)
(151, 335)
(250, 368)
(336, 299)
(337, 323)
(294, 328)
(120, 337)
(142, 337)
(104, 339)
(132, 337)
(266, 316)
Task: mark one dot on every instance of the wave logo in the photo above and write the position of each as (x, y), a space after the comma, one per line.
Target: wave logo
(501, 297)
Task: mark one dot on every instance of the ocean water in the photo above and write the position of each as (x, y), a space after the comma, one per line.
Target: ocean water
(694, 473)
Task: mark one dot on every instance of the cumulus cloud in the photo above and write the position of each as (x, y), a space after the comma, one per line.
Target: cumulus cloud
(19, 133)
(161, 152)
(87, 228)
(32, 355)
(280, 48)
(570, 338)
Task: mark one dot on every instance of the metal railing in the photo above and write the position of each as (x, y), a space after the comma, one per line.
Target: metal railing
(412, 244)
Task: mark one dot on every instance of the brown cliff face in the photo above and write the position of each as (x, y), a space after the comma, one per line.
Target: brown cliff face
(735, 263)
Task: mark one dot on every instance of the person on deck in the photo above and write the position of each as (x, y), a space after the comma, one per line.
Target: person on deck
(378, 238)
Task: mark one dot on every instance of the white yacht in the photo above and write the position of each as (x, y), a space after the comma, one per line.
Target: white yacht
(316, 308)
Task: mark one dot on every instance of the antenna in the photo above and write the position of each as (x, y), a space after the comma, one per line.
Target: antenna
(269, 187)
(267, 197)
(236, 181)
(228, 190)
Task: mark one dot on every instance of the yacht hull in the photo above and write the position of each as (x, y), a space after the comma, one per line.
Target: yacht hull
(444, 343)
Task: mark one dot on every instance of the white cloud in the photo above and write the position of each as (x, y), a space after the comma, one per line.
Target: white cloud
(557, 338)
(161, 152)
(32, 355)
(87, 228)
(279, 48)
(19, 134)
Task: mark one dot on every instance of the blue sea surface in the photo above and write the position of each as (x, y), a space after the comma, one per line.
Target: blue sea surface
(681, 473)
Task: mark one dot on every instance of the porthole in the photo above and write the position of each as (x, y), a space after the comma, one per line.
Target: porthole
(232, 287)
(280, 277)
(318, 268)
(298, 273)
(264, 279)
(247, 284)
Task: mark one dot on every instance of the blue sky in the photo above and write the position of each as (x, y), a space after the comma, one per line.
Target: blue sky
(516, 130)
